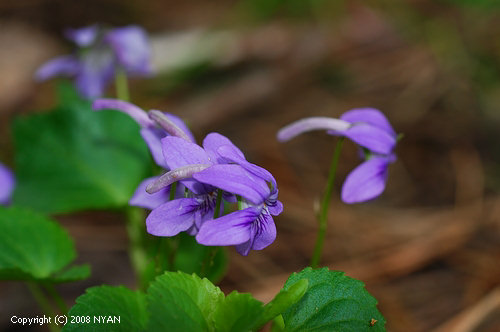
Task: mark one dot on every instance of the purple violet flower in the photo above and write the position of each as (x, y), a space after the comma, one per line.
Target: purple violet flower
(201, 174)
(184, 159)
(369, 128)
(218, 165)
(250, 228)
(102, 52)
(7, 184)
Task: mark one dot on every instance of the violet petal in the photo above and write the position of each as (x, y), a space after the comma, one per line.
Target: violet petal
(370, 137)
(230, 154)
(82, 37)
(97, 70)
(235, 179)
(7, 184)
(231, 229)
(368, 115)
(153, 137)
(178, 152)
(149, 201)
(171, 218)
(132, 48)
(213, 141)
(275, 209)
(244, 248)
(66, 65)
(366, 181)
(265, 231)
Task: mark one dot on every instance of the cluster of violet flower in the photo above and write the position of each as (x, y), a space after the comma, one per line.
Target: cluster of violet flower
(370, 129)
(101, 53)
(188, 196)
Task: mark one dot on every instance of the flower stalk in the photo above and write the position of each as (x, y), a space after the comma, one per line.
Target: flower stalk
(135, 216)
(325, 203)
(121, 85)
(217, 204)
(43, 303)
(63, 308)
(136, 234)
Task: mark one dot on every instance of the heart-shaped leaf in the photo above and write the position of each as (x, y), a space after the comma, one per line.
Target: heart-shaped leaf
(73, 158)
(33, 247)
(107, 308)
(333, 302)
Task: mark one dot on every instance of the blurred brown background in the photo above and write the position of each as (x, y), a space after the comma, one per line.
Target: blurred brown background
(428, 249)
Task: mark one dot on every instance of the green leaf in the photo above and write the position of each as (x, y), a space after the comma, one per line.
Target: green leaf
(181, 302)
(74, 158)
(283, 300)
(33, 247)
(238, 313)
(192, 257)
(333, 302)
(175, 301)
(74, 273)
(103, 305)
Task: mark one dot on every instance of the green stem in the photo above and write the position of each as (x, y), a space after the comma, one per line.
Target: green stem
(136, 231)
(208, 262)
(323, 213)
(163, 256)
(173, 189)
(121, 85)
(43, 302)
(240, 205)
(217, 204)
(61, 304)
(174, 245)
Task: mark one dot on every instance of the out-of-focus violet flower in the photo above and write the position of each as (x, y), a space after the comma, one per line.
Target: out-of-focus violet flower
(370, 129)
(102, 52)
(7, 184)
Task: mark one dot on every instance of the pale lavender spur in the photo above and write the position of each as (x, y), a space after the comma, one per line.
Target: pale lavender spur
(370, 129)
(101, 53)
